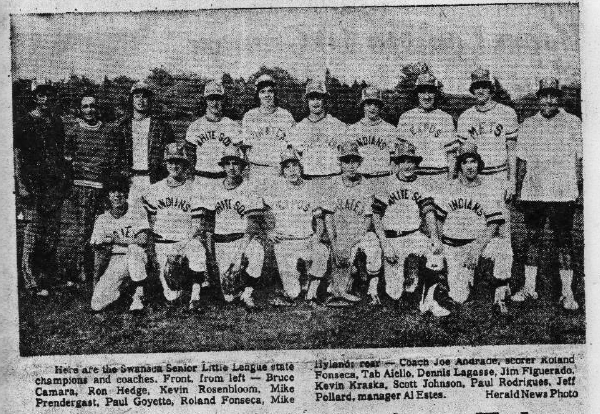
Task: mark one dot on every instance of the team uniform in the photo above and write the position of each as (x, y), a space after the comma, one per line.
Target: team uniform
(123, 262)
(402, 205)
(465, 213)
(375, 143)
(294, 209)
(318, 142)
(209, 139)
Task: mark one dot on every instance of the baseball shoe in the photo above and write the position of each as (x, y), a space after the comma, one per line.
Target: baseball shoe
(523, 295)
(429, 304)
(136, 305)
(338, 302)
(281, 302)
(374, 301)
(500, 307)
(313, 303)
(349, 297)
(194, 305)
(568, 302)
(411, 286)
(248, 301)
(228, 298)
(171, 295)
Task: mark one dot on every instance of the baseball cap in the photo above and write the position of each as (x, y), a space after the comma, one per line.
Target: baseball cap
(214, 88)
(289, 154)
(371, 93)
(177, 151)
(264, 79)
(116, 183)
(549, 85)
(140, 87)
(426, 81)
(232, 152)
(468, 150)
(349, 150)
(481, 77)
(316, 87)
(404, 149)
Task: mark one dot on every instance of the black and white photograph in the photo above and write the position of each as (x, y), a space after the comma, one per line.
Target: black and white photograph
(298, 178)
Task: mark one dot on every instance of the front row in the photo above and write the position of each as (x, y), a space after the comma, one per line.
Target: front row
(356, 228)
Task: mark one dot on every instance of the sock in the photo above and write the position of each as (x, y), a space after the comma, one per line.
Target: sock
(373, 282)
(566, 278)
(195, 292)
(138, 293)
(530, 278)
(312, 288)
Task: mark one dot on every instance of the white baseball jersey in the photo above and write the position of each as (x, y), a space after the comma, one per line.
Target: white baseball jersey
(267, 134)
(491, 130)
(375, 143)
(210, 138)
(551, 148)
(433, 135)
(402, 204)
(467, 211)
(293, 207)
(125, 226)
(171, 208)
(318, 142)
(231, 207)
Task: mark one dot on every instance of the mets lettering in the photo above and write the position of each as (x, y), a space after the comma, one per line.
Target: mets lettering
(228, 204)
(372, 140)
(356, 206)
(289, 204)
(212, 135)
(269, 131)
(404, 194)
(466, 204)
(486, 128)
(174, 202)
(426, 128)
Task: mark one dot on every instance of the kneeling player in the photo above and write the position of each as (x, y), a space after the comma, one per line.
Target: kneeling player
(177, 242)
(398, 209)
(471, 212)
(120, 245)
(292, 201)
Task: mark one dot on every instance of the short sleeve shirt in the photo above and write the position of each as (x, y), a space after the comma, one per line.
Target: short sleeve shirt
(267, 135)
(210, 139)
(125, 226)
(375, 143)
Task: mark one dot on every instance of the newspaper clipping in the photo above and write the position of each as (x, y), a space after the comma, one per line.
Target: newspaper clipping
(343, 209)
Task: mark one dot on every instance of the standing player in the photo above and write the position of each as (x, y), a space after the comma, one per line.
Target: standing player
(471, 211)
(431, 131)
(292, 201)
(494, 129)
(265, 131)
(375, 137)
(169, 205)
(211, 133)
(121, 232)
(552, 150)
(398, 210)
(318, 136)
(238, 214)
(347, 209)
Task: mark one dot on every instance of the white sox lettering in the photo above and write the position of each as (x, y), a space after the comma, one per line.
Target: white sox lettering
(465, 204)
(404, 194)
(229, 204)
(371, 140)
(213, 135)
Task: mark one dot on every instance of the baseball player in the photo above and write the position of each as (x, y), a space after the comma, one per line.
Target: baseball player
(292, 201)
(551, 147)
(494, 129)
(431, 131)
(265, 131)
(399, 207)
(318, 136)
(471, 212)
(211, 133)
(375, 137)
(347, 208)
(121, 249)
(171, 206)
(237, 214)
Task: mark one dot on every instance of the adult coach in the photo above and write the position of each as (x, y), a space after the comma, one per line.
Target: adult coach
(212, 133)
(431, 131)
(551, 147)
(42, 178)
(374, 136)
(318, 136)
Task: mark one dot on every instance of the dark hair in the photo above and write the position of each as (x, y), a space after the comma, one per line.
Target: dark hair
(463, 157)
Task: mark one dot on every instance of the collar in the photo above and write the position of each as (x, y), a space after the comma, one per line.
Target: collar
(492, 105)
(366, 122)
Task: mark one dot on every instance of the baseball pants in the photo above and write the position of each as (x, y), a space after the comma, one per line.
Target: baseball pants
(500, 180)
(415, 243)
(460, 279)
(226, 254)
(169, 253)
(121, 266)
(289, 252)
(341, 277)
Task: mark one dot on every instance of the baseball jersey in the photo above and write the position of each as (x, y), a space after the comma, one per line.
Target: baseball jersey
(210, 138)
(293, 207)
(349, 205)
(402, 204)
(433, 135)
(375, 143)
(266, 134)
(231, 207)
(125, 226)
(467, 211)
(318, 142)
(171, 208)
(551, 148)
(491, 130)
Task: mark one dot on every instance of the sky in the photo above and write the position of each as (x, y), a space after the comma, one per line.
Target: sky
(518, 43)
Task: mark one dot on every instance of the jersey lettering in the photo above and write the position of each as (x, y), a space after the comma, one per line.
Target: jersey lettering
(228, 204)
(174, 202)
(486, 128)
(465, 204)
(425, 128)
(212, 135)
(372, 140)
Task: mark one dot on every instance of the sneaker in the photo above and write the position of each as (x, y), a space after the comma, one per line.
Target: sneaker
(500, 307)
(136, 305)
(523, 295)
(568, 302)
(338, 302)
(248, 301)
(349, 297)
(281, 302)
(171, 295)
(374, 300)
(228, 298)
(437, 311)
(194, 305)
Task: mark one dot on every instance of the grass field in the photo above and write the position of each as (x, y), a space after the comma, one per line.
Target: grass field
(62, 324)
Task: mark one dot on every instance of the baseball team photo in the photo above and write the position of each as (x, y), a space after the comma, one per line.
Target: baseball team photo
(298, 178)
